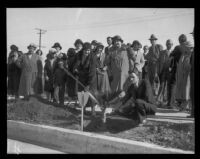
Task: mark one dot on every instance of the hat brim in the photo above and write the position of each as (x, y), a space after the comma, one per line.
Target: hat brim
(153, 39)
(57, 46)
(118, 40)
(32, 46)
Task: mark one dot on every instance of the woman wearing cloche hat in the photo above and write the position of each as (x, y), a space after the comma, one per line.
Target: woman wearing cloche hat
(58, 48)
(48, 74)
(118, 61)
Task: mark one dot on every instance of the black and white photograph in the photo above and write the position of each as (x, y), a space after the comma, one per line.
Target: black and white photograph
(100, 80)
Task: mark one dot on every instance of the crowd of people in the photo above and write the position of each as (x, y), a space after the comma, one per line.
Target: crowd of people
(125, 76)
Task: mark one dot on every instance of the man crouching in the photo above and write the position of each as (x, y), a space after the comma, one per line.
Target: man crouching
(137, 102)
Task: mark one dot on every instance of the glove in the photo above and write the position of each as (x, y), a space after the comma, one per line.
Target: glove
(122, 94)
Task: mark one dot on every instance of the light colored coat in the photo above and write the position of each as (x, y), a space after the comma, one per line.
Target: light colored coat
(182, 75)
(118, 63)
(139, 60)
(30, 70)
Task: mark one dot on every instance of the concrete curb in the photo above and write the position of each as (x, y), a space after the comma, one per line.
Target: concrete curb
(73, 141)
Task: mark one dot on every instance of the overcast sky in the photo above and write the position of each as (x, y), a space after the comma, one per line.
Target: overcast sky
(65, 25)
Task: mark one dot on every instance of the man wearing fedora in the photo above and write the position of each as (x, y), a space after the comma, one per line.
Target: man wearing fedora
(152, 59)
(118, 63)
(29, 65)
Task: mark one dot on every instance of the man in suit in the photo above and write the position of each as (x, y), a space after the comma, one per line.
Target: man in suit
(164, 62)
(152, 58)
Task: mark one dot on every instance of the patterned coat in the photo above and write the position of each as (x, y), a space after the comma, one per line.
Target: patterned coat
(99, 78)
(118, 63)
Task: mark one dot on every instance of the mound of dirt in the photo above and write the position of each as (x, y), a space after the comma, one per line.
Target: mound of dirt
(162, 133)
(34, 111)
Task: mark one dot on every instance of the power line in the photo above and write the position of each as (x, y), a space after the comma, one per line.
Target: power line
(119, 22)
(41, 31)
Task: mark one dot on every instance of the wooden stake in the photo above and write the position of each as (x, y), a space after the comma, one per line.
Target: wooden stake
(82, 119)
(82, 106)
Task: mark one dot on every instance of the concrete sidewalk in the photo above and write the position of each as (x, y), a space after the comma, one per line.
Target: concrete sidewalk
(73, 141)
(174, 116)
(163, 115)
(18, 147)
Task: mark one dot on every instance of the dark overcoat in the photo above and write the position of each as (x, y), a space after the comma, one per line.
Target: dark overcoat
(14, 73)
(48, 71)
(153, 65)
(183, 75)
(164, 64)
(175, 55)
(143, 91)
(83, 68)
(71, 83)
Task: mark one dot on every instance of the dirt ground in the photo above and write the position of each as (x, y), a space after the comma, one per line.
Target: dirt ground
(39, 111)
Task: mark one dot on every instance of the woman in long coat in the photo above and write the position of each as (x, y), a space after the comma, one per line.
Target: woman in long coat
(182, 77)
(98, 73)
(72, 57)
(29, 65)
(118, 63)
(82, 66)
(48, 74)
(83, 70)
(71, 83)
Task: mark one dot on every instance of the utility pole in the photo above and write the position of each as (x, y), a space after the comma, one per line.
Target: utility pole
(41, 31)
